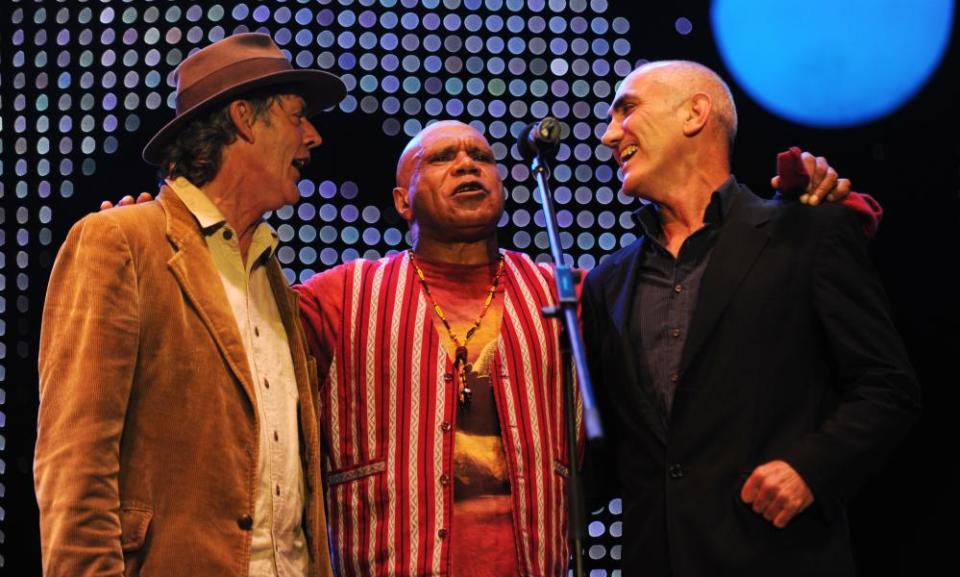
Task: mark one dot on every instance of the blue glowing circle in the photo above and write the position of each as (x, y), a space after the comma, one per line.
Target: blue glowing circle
(872, 60)
(390, 84)
(368, 61)
(410, 20)
(475, 86)
(454, 107)
(476, 107)
(433, 85)
(412, 126)
(367, 19)
(539, 88)
(431, 21)
(390, 105)
(497, 108)
(347, 61)
(411, 85)
(411, 105)
(451, 22)
(389, 20)
(391, 127)
(367, 41)
(390, 62)
(579, 25)
(325, 17)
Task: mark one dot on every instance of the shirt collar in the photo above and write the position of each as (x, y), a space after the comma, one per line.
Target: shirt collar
(211, 220)
(721, 201)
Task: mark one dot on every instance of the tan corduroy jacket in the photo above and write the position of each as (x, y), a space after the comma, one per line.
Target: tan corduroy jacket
(146, 453)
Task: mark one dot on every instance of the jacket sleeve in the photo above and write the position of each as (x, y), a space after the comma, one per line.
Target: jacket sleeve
(88, 354)
(878, 394)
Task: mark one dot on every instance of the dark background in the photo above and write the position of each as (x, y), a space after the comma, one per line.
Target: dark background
(903, 520)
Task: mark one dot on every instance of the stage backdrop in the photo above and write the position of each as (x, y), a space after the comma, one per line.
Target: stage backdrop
(84, 84)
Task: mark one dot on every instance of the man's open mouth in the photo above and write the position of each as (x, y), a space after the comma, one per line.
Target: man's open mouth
(472, 186)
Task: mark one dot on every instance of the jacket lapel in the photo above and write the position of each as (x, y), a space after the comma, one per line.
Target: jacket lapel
(619, 291)
(742, 238)
(194, 269)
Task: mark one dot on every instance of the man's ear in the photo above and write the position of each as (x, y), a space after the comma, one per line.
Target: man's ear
(696, 112)
(241, 114)
(401, 201)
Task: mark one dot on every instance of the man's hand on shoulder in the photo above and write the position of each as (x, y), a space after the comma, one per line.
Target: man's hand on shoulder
(776, 491)
(808, 178)
(127, 200)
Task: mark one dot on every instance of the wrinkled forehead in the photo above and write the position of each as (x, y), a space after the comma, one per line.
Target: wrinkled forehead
(442, 136)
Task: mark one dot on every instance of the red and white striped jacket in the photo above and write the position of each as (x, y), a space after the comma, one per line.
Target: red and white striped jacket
(389, 415)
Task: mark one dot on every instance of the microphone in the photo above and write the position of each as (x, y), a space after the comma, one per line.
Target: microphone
(539, 138)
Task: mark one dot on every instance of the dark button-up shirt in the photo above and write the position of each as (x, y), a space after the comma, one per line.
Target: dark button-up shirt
(666, 294)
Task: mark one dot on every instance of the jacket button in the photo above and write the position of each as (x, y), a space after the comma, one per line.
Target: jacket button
(245, 522)
(675, 471)
(444, 480)
(445, 426)
(442, 533)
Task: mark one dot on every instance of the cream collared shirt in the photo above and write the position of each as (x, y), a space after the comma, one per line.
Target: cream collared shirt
(278, 546)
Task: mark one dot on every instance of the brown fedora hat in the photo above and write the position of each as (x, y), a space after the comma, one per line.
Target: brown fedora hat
(228, 68)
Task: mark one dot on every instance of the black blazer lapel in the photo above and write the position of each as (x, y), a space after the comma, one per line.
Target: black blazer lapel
(742, 237)
(619, 291)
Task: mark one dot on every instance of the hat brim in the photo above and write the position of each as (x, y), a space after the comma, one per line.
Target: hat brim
(320, 90)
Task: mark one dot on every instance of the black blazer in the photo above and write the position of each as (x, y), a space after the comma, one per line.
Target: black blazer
(791, 355)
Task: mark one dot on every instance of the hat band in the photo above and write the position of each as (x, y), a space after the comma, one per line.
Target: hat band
(228, 77)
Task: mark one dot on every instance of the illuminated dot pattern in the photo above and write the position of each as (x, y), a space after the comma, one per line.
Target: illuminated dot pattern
(87, 77)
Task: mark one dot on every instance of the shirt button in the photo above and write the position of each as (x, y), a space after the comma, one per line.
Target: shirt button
(442, 533)
(444, 480)
(675, 471)
(678, 289)
(674, 378)
(445, 426)
(256, 331)
(245, 522)
(276, 437)
(675, 333)
(266, 383)
(278, 490)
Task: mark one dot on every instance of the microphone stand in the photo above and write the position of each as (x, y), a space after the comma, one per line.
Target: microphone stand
(571, 351)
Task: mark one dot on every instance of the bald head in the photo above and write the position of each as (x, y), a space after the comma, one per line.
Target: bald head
(413, 153)
(684, 79)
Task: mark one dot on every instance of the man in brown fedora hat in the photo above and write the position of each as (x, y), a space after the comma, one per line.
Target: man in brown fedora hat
(177, 426)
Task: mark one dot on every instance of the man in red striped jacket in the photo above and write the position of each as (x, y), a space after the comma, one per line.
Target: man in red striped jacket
(441, 401)
(442, 406)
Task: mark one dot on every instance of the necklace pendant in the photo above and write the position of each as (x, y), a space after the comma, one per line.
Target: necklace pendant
(466, 395)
